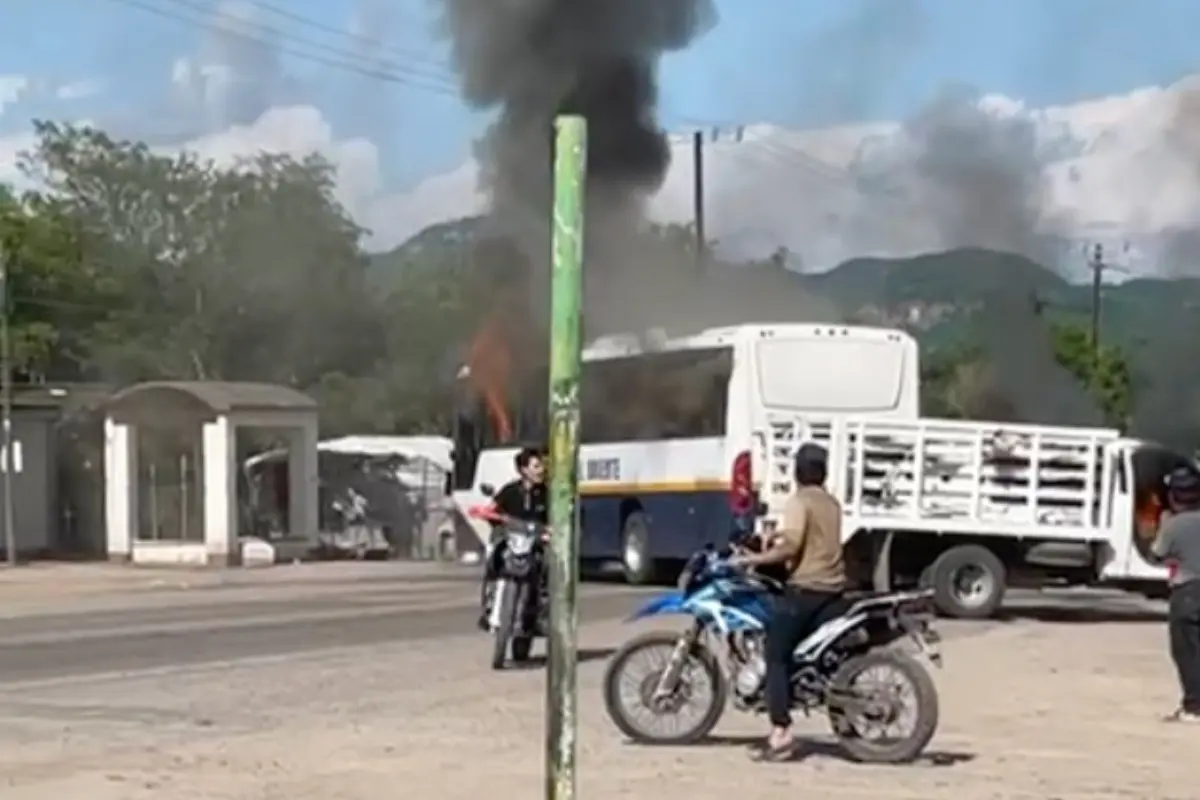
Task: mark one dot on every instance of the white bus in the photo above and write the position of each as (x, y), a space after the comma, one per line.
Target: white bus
(667, 428)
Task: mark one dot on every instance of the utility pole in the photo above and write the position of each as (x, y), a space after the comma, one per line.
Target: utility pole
(10, 527)
(698, 195)
(566, 301)
(1097, 266)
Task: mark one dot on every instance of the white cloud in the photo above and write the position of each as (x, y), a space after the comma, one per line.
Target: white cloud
(391, 216)
(79, 90)
(299, 131)
(12, 87)
(302, 130)
(776, 186)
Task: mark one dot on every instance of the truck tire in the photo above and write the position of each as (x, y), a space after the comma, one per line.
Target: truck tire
(636, 561)
(968, 582)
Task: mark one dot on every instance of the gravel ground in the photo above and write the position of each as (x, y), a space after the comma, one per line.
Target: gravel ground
(1030, 711)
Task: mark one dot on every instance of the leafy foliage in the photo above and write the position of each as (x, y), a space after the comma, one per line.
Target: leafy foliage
(129, 264)
(957, 382)
(1101, 368)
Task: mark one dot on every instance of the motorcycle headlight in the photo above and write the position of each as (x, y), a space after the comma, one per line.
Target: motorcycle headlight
(520, 545)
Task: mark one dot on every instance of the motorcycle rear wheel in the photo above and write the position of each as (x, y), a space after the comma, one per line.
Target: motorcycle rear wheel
(847, 727)
(621, 715)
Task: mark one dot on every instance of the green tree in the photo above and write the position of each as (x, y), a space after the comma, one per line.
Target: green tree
(1104, 371)
(247, 272)
(51, 291)
(958, 383)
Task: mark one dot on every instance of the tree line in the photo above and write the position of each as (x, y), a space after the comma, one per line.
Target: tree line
(125, 264)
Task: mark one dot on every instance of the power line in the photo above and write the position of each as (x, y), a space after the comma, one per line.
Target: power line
(840, 179)
(387, 72)
(336, 52)
(439, 67)
(790, 154)
(221, 23)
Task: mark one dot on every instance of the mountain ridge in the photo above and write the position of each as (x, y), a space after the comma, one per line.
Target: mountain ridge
(993, 300)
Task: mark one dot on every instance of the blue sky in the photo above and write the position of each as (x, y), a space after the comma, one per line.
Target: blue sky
(793, 62)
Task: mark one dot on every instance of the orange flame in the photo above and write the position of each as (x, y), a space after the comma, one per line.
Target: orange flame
(490, 363)
(1147, 517)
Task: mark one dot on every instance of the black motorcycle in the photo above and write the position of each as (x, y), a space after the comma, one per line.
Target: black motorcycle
(519, 597)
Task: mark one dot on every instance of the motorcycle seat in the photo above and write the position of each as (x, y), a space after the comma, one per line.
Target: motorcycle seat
(868, 600)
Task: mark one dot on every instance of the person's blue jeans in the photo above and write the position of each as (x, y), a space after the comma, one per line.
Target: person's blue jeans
(792, 619)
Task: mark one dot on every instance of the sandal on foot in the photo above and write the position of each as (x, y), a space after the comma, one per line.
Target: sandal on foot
(775, 754)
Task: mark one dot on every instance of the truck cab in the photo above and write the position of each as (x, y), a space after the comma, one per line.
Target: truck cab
(1139, 503)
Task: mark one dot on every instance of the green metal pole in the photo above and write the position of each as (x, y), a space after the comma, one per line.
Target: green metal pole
(566, 291)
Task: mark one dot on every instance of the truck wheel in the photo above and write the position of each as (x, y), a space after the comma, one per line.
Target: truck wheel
(636, 561)
(968, 582)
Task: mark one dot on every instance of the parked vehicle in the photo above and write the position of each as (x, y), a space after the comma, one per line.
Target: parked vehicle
(722, 653)
(970, 508)
(684, 438)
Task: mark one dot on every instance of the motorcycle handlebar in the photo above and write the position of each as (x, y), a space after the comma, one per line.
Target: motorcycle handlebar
(721, 561)
(489, 513)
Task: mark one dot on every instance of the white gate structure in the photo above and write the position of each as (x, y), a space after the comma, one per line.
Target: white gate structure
(206, 416)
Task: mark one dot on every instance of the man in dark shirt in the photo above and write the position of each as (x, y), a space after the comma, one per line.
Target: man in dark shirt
(1178, 546)
(523, 499)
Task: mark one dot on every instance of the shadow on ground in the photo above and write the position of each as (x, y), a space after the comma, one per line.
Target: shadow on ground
(1058, 613)
(823, 748)
(583, 656)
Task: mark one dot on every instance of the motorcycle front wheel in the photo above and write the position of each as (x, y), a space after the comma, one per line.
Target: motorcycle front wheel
(691, 707)
(883, 708)
(522, 640)
(503, 614)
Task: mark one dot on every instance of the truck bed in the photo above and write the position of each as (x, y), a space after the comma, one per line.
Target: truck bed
(951, 476)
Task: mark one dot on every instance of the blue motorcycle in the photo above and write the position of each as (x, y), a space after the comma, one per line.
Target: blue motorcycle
(670, 687)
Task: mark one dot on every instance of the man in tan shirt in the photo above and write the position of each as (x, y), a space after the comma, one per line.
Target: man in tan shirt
(809, 546)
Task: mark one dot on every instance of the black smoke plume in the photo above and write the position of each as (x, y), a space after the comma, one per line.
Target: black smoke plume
(1181, 250)
(533, 59)
(960, 174)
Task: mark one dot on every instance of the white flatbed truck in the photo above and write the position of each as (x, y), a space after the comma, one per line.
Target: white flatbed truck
(972, 508)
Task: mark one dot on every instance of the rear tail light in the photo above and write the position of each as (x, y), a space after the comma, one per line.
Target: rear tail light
(741, 484)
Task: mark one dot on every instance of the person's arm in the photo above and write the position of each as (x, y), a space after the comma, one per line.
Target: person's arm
(789, 540)
(1163, 548)
(506, 500)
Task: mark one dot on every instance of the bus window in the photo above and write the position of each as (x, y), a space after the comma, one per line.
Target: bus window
(835, 374)
(467, 444)
(671, 394)
(674, 394)
(475, 428)
(532, 425)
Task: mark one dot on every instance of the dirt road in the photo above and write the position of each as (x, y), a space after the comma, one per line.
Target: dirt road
(1030, 711)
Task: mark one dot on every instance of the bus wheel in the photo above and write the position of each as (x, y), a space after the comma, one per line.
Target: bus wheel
(636, 561)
